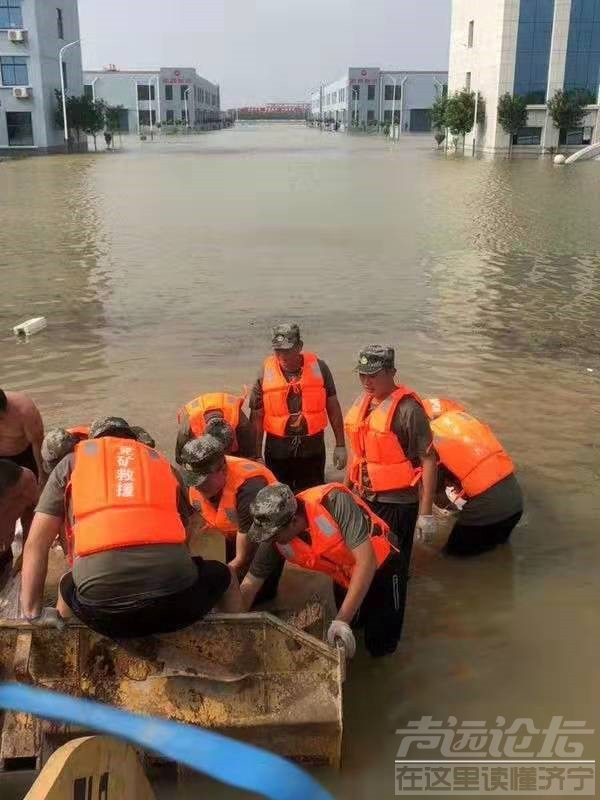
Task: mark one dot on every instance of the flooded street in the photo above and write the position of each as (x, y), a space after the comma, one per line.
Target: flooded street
(160, 269)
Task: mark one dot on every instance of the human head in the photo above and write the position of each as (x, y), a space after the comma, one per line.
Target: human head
(3, 401)
(287, 345)
(377, 370)
(276, 515)
(142, 435)
(203, 460)
(111, 426)
(219, 428)
(57, 444)
(10, 473)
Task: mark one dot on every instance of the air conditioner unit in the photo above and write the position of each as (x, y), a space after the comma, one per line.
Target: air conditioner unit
(17, 36)
(22, 92)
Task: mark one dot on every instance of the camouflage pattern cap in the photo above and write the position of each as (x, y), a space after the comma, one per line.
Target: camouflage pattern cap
(57, 444)
(142, 435)
(199, 457)
(285, 336)
(375, 357)
(110, 426)
(222, 430)
(273, 508)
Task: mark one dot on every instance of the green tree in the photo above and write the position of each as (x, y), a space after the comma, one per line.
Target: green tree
(84, 115)
(112, 117)
(460, 113)
(512, 115)
(567, 110)
(438, 113)
(92, 113)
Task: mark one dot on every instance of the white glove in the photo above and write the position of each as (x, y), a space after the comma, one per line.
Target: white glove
(48, 618)
(341, 631)
(425, 529)
(340, 457)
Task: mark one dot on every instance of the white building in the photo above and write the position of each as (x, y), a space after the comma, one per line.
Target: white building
(32, 33)
(369, 95)
(531, 48)
(171, 95)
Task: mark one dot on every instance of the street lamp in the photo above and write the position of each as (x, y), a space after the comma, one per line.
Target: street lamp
(394, 108)
(63, 88)
(402, 83)
(150, 109)
(97, 78)
(137, 105)
(185, 100)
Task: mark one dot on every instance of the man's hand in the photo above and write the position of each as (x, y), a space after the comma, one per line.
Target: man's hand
(48, 618)
(342, 632)
(425, 529)
(340, 457)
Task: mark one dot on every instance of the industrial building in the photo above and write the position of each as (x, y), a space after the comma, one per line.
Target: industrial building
(366, 96)
(32, 33)
(169, 95)
(530, 48)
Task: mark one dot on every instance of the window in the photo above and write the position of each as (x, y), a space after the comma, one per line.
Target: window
(528, 136)
(183, 116)
(468, 81)
(145, 117)
(533, 49)
(583, 49)
(389, 92)
(59, 24)
(145, 92)
(10, 14)
(64, 74)
(88, 91)
(578, 136)
(183, 91)
(371, 92)
(170, 116)
(356, 92)
(168, 92)
(20, 129)
(471, 31)
(387, 116)
(370, 115)
(14, 71)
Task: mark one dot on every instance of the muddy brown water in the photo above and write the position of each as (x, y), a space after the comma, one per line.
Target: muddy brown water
(160, 269)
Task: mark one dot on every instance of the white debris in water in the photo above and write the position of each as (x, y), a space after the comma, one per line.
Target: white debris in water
(30, 326)
(589, 369)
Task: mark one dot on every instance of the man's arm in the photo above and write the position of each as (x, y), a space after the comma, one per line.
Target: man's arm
(336, 419)
(243, 552)
(257, 416)
(184, 435)
(34, 430)
(428, 483)
(44, 530)
(265, 561)
(249, 588)
(362, 576)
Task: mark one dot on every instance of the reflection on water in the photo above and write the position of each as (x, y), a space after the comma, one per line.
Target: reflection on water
(161, 268)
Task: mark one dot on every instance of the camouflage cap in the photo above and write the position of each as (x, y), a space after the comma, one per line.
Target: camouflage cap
(285, 336)
(110, 426)
(375, 357)
(273, 508)
(199, 457)
(142, 435)
(57, 444)
(221, 430)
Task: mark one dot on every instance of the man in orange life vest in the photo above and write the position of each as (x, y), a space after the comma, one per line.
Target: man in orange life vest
(125, 510)
(206, 413)
(59, 442)
(222, 489)
(292, 401)
(392, 454)
(476, 477)
(330, 530)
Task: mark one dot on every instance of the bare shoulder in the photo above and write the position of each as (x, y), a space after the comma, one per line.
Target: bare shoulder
(21, 402)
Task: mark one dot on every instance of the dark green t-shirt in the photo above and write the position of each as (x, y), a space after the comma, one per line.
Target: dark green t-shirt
(120, 578)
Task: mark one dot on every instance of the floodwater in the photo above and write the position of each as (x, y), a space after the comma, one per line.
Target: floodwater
(161, 268)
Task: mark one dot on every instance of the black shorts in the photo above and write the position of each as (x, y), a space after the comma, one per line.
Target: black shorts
(402, 518)
(165, 614)
(298, 473)
(472, 540)
(25, 459)
(382, 611)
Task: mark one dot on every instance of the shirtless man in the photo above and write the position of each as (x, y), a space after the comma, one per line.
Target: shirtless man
(18, 493)
(21, 436)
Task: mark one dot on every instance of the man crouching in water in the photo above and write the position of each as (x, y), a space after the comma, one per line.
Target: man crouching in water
(126, 515)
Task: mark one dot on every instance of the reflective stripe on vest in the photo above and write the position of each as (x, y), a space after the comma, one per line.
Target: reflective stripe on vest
(225, 516)
(436, 406)
(376, 451)
(121, 494)
(276, 390)
(327, 551)
(469, 450)
(83, 431)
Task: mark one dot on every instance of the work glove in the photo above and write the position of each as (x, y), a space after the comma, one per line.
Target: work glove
(340, 457)
(342, 632)
(425, 529)
(48, 618)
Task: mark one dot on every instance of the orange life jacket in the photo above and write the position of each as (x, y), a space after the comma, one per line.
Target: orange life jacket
(83, 431)
(276, 389)
(375, 446)
(121, 494)
(470, 451)
(327, 551)
(225, 517)
(228, 404)
(435, 406)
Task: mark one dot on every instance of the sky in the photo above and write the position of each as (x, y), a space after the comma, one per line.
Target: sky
(265, 50)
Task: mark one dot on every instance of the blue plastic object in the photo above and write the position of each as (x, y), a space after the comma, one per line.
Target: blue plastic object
(237, 764)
